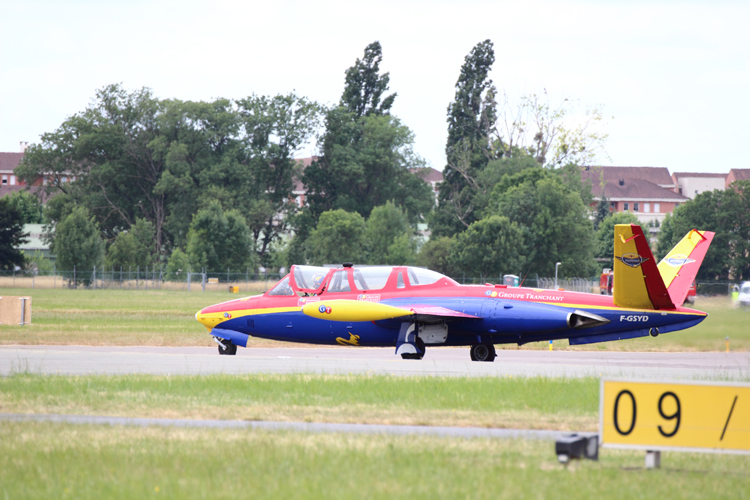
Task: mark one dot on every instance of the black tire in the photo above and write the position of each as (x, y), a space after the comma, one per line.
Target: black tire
(415, 355)
(229, 348)
(483, 352)
(654, 332)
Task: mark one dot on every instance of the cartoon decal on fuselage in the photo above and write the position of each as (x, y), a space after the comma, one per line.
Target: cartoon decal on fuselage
(409, 308)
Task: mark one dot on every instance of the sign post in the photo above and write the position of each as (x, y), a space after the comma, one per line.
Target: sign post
(675, 416)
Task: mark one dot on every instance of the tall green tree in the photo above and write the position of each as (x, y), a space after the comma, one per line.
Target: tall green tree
(553, 218)
(29, 205)
(436, 254)
(490, 247)
(11, 235)
(339, 237)
(471, 120)
(133, 248)
(367, 155)
(78, 244)
(219, 239)
(390, 239)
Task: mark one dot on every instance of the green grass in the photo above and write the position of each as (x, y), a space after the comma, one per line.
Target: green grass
(167, 318)
(41, 460)
(541, 403)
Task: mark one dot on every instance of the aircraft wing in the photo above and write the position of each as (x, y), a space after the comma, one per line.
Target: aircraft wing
(358, 310)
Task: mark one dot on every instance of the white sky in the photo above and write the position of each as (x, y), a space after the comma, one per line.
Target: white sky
(674, 75)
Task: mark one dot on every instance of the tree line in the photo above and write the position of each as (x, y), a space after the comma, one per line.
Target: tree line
(134, 180)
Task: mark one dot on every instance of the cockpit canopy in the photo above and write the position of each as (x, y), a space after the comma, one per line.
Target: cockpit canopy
(307, 280)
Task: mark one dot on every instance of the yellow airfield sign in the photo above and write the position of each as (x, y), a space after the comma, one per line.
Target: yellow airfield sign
(687, 416)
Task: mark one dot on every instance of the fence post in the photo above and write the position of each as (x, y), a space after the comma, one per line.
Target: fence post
(203, 285)
(93, 280)
(75, 279)
(188, 279)
(130, 275)
(14, 276)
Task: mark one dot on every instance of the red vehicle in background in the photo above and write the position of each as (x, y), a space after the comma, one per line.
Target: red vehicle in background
(690, 298)
(606, 281)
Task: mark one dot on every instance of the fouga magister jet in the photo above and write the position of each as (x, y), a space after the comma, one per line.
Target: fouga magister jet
(410, 308)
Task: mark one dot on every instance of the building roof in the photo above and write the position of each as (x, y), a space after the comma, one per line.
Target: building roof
(741, 174)
(636, 189)
(429, 174)
(9, 161)
(698, 174)
(655, 175)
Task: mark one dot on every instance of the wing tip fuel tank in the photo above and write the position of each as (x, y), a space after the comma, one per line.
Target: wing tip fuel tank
(352, 310)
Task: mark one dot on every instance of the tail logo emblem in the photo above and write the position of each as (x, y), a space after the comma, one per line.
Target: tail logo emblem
(678, 260)
(632, 259)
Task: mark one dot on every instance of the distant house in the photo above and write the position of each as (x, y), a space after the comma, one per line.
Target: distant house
(647, 192)
(430, 176)
(737, 174)
(35, 242)
(9, 183)
(691, 184)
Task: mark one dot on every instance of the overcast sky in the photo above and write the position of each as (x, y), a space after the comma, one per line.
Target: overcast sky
(672, 77)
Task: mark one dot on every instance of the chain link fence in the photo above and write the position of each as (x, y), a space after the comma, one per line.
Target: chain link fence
(154, 278)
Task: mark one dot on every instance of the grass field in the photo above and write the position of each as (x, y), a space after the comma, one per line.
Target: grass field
(163, 318)
(539, 403)
(41, 460)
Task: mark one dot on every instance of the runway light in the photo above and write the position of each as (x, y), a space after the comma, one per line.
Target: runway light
(577, 446)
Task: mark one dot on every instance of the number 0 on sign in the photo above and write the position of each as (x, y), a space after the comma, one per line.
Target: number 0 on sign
(689, 416)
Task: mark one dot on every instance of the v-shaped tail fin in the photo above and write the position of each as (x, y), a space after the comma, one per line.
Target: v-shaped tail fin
(681, 264)
(638, 284)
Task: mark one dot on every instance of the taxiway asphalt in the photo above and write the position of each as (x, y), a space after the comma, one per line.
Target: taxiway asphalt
(82, 360)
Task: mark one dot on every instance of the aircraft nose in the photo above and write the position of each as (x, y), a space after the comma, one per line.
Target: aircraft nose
(208, 319)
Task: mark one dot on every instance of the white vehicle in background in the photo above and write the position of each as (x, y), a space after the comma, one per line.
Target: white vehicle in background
(744, 296)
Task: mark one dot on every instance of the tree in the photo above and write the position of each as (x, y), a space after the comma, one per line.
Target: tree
(390, 240)
(219, 239)
(490, 247)
(553, 135)
(601, 211)
(366, 156)
(471, 118)
(364, 85)
(29, 206)
(553, 218)
(77, 243)
(605, 235)
(339, 237)
(134, 248)
(727, 213)
(436, 254)
(178, 265)
(11, 235)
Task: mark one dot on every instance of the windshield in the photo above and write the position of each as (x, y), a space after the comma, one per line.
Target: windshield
(309, 278)
(420, 276)
(282, 288)
(371, 278)
(339, 282)
(745, 289)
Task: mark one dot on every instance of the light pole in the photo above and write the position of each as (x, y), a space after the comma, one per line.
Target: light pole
(556, 266)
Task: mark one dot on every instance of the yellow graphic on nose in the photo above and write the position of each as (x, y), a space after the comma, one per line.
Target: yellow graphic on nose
(352, 340)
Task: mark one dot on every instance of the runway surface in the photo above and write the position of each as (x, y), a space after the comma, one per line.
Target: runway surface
(81, 360)
(461, 432)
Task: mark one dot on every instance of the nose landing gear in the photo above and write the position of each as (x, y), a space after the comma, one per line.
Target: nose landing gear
(483, 352)
(226, 347)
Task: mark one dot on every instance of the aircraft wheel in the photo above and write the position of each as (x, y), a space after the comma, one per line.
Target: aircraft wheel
(483, 352)
(654, 332)
(228, 348)
(420, 345)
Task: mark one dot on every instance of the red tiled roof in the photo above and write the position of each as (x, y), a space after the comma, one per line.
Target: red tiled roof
(655, 175)
(741, 174)
(429, 174)
(698, 174)
(9, 161)
(635, 189)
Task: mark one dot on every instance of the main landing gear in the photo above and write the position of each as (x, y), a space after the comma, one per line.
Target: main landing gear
(415, 355)
(226, 347)
(483, 352)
